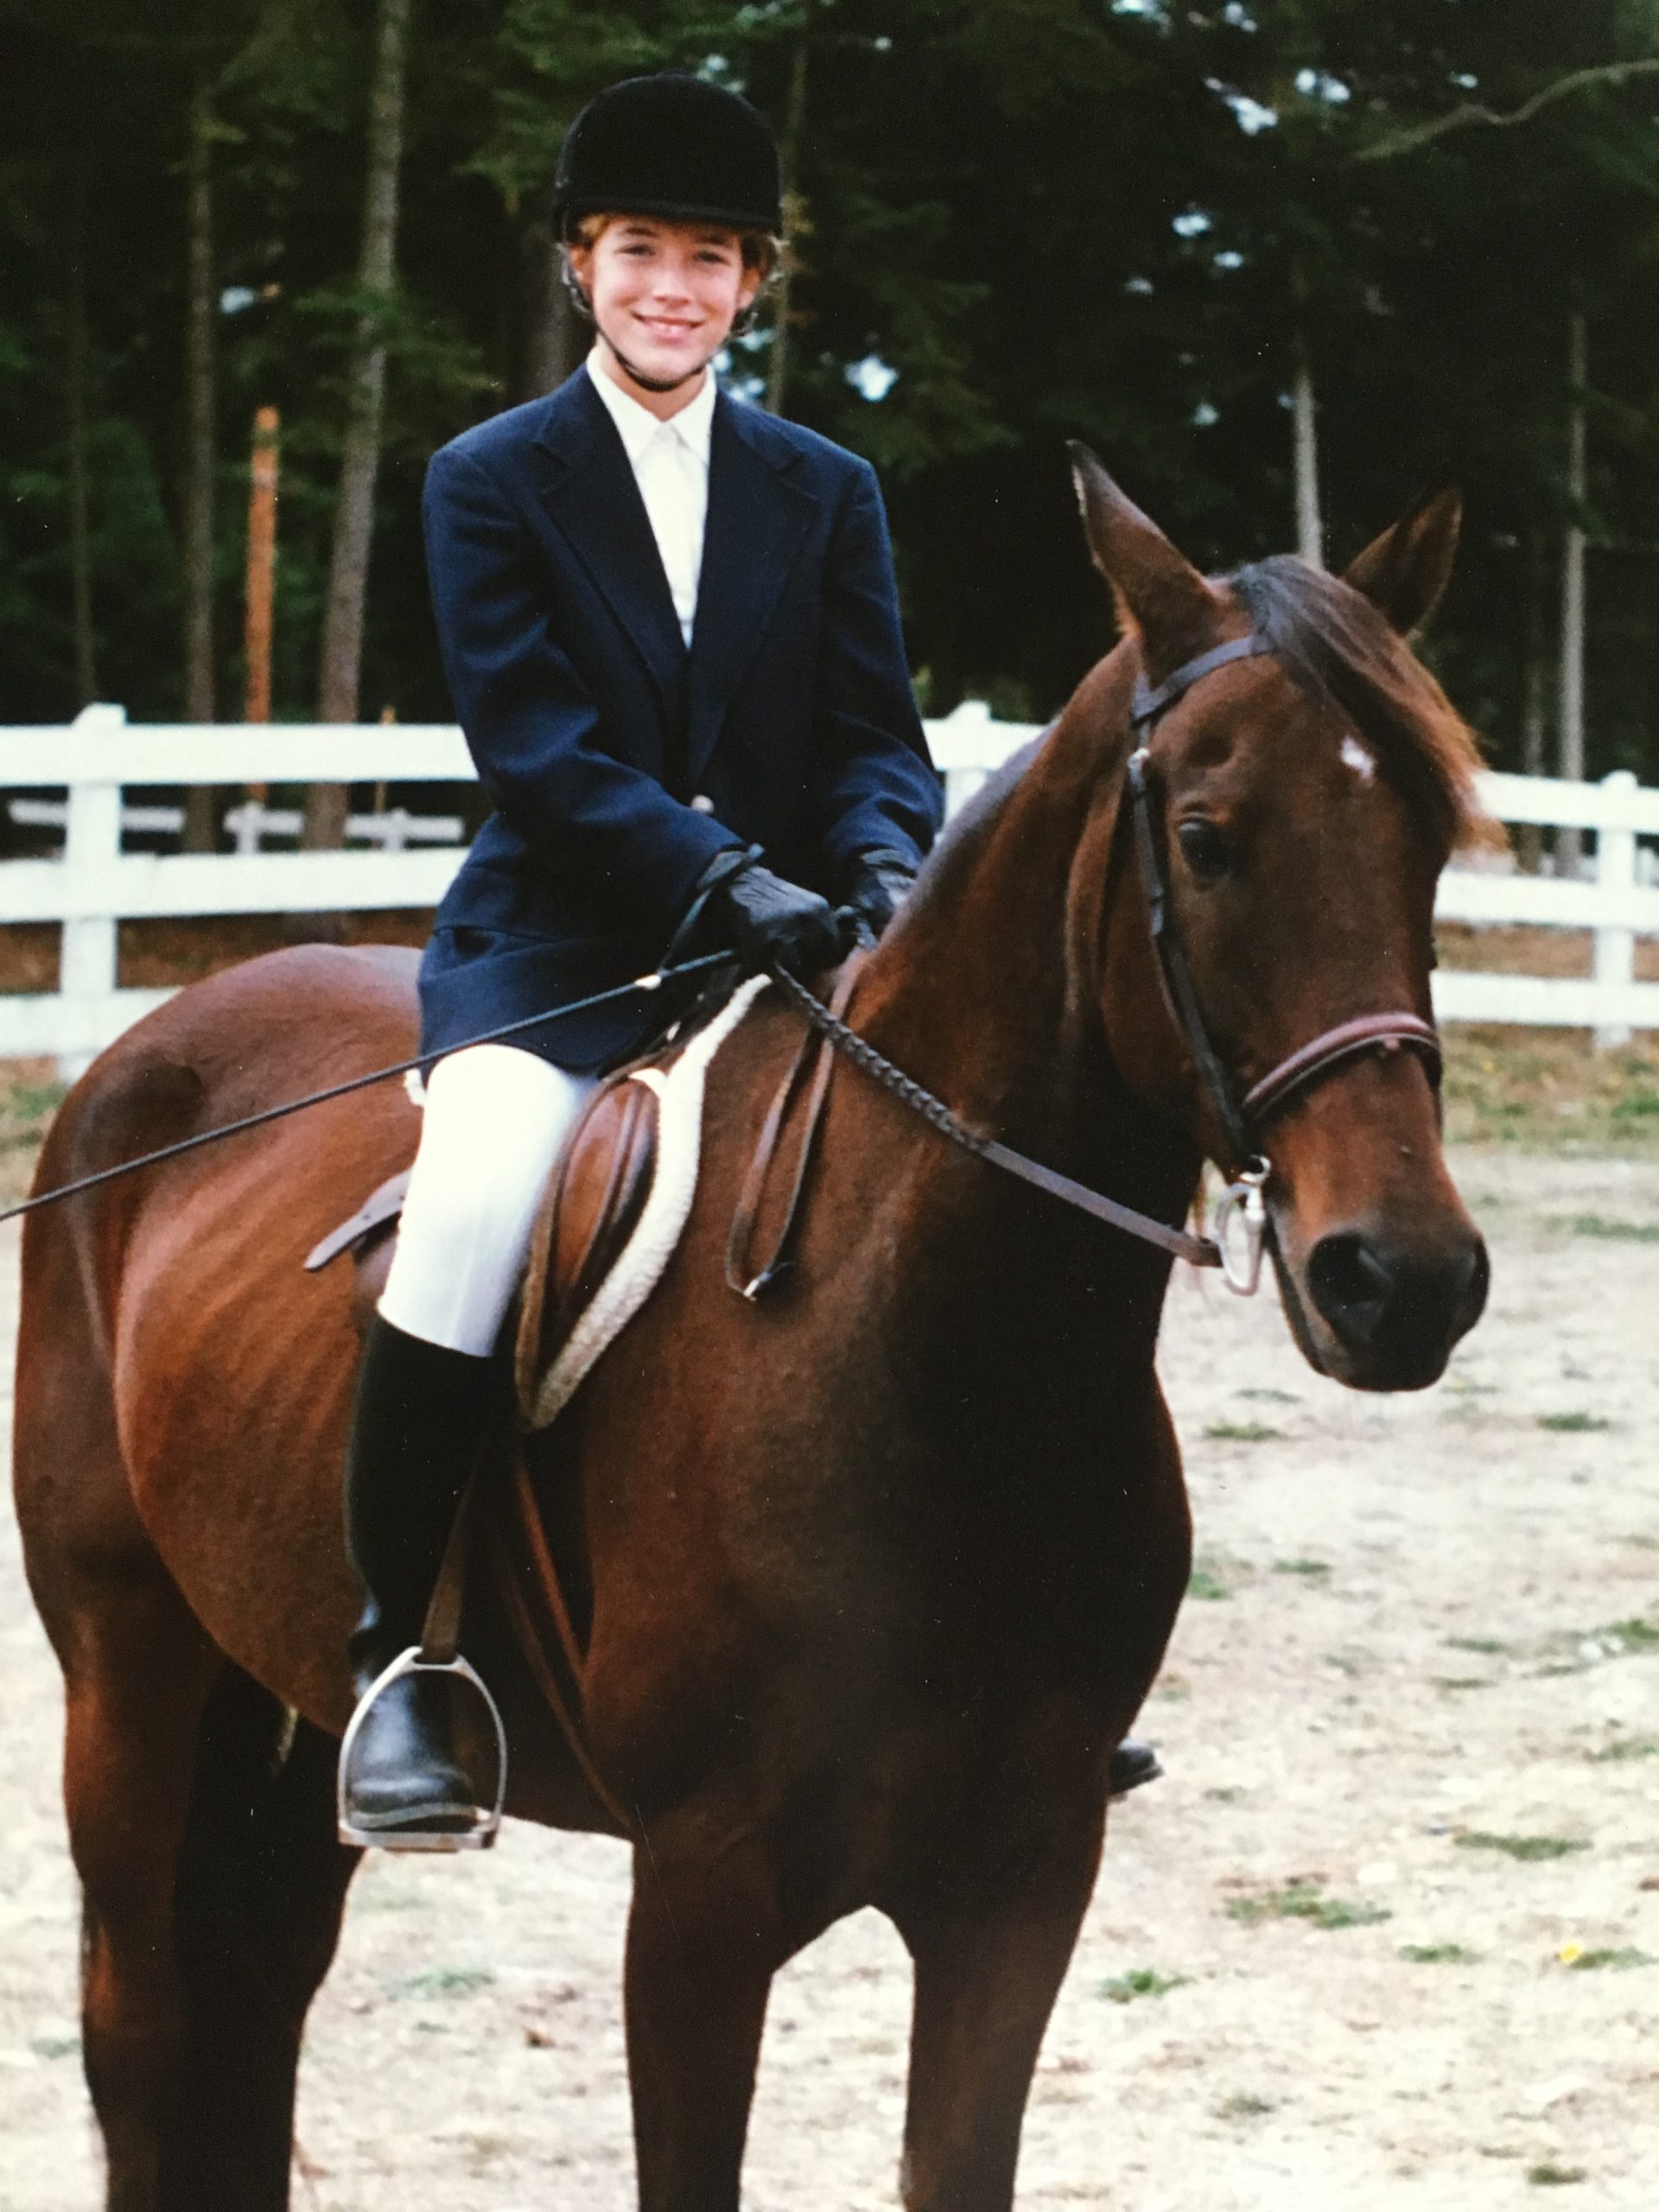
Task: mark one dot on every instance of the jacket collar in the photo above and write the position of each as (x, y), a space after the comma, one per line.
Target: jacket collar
(639, 428)
(596, 504)
(759, 512)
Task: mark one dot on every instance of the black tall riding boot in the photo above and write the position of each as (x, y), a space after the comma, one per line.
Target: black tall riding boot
(421, 1417)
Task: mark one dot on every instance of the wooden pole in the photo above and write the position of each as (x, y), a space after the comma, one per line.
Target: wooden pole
(261, 569)
(200, 801)
(80, 471)
(794, 212)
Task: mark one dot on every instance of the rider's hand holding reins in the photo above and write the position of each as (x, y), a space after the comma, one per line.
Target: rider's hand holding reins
(873, 885)
(777, 923)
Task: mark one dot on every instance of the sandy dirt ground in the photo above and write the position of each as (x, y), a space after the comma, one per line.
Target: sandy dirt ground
(1387, 1937)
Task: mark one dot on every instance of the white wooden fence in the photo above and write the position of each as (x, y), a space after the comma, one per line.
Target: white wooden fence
(93, 884)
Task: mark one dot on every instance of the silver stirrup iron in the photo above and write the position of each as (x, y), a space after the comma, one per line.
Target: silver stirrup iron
(488, 1818)
(1243, 1200)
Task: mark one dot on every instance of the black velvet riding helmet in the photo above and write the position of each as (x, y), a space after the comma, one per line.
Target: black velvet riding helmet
(672, 146)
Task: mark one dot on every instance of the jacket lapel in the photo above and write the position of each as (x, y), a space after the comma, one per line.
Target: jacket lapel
(597, 504)
(757, 518)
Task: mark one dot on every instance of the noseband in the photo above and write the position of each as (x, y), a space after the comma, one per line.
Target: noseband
(1240, 1119)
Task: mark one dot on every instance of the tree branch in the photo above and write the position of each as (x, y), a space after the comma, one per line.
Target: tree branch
(1472, 111)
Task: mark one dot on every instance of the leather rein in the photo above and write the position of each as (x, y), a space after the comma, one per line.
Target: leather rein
(1240, 1119)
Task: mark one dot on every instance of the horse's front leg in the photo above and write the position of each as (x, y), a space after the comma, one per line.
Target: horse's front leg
(704, 1942)
(989, 1959)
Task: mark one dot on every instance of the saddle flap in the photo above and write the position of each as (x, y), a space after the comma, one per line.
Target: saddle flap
(601, 1191)
(592, 1206)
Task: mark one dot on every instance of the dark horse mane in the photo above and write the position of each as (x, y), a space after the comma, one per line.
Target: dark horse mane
(1341, 649)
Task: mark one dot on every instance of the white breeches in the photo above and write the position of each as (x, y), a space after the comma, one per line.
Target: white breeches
(496, 1121)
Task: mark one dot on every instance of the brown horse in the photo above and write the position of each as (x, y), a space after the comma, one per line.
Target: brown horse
(872, 1576)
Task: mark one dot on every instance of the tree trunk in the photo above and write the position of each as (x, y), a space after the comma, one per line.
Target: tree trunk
(790, 161)
(200, 827)
(551, 336)
(342, 629)
(1569, 842)
(1535, 708)
(76, 401)
(1310, 529)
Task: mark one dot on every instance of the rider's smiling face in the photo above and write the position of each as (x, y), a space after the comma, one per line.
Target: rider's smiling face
(664, 296)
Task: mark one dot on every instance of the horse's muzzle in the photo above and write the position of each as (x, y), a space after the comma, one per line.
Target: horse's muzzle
(1394, 1311)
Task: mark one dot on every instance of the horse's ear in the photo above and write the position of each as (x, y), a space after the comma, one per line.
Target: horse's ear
(1159, 594)
(1403, 572)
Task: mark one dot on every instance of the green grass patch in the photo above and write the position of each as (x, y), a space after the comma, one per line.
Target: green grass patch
(27, 1105)
(1548, 2174)
(1529, 1850)
(1265, 1396)
(1572, 1424)
(1140, 1981)
(1439, 1954)
(1486, 1647)
(1621, 1960)
(1201, 1584)
(1601, 1224)
(55, 2046)
(1243, 2106)
(1634, 1635)
(1313, 1570)
(1626, 1747)
(1243, 1432)
(443, 1981)
(1545, 1089)
(1460, 1681)
(1304, 1900)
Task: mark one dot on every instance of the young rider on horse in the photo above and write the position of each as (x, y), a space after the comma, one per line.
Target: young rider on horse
(672, 632)
(670, 627)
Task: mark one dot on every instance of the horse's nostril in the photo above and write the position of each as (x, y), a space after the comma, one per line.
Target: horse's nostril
(1403, 1310)
(1349, 1283)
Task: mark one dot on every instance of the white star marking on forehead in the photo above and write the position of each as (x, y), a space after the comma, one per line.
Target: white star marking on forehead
(1358, 758)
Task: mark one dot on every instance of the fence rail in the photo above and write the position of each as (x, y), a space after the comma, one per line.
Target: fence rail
(93, 885)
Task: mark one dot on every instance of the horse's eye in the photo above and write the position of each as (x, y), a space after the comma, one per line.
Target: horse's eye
(1204, 848)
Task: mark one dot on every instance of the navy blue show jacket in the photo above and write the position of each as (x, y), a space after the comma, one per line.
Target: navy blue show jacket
(618, 763)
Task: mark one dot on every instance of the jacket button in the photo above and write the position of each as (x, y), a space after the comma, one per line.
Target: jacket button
(703, 803)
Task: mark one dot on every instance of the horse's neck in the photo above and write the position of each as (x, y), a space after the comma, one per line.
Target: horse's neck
(975, 988)
(988, 991)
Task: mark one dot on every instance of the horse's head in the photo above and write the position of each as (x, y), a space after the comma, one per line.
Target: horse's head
(1299, 800)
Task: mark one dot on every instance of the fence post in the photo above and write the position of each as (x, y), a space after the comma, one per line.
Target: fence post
(972, 718)
(86, 958)
(1615, 947)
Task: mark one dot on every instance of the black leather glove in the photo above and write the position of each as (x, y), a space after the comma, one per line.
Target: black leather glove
(773, 923)
(873, 883)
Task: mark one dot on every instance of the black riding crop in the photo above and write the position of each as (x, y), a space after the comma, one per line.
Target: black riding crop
(652, 983)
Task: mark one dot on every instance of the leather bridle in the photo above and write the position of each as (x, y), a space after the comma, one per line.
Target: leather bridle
(1239, 1120)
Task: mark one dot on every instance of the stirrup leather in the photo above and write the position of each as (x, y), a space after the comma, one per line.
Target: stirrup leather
(487, 1818)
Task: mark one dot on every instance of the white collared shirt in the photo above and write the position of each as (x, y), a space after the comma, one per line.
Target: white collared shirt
(671, 466)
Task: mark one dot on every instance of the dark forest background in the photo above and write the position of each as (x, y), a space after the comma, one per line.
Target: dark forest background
(1179, 232)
